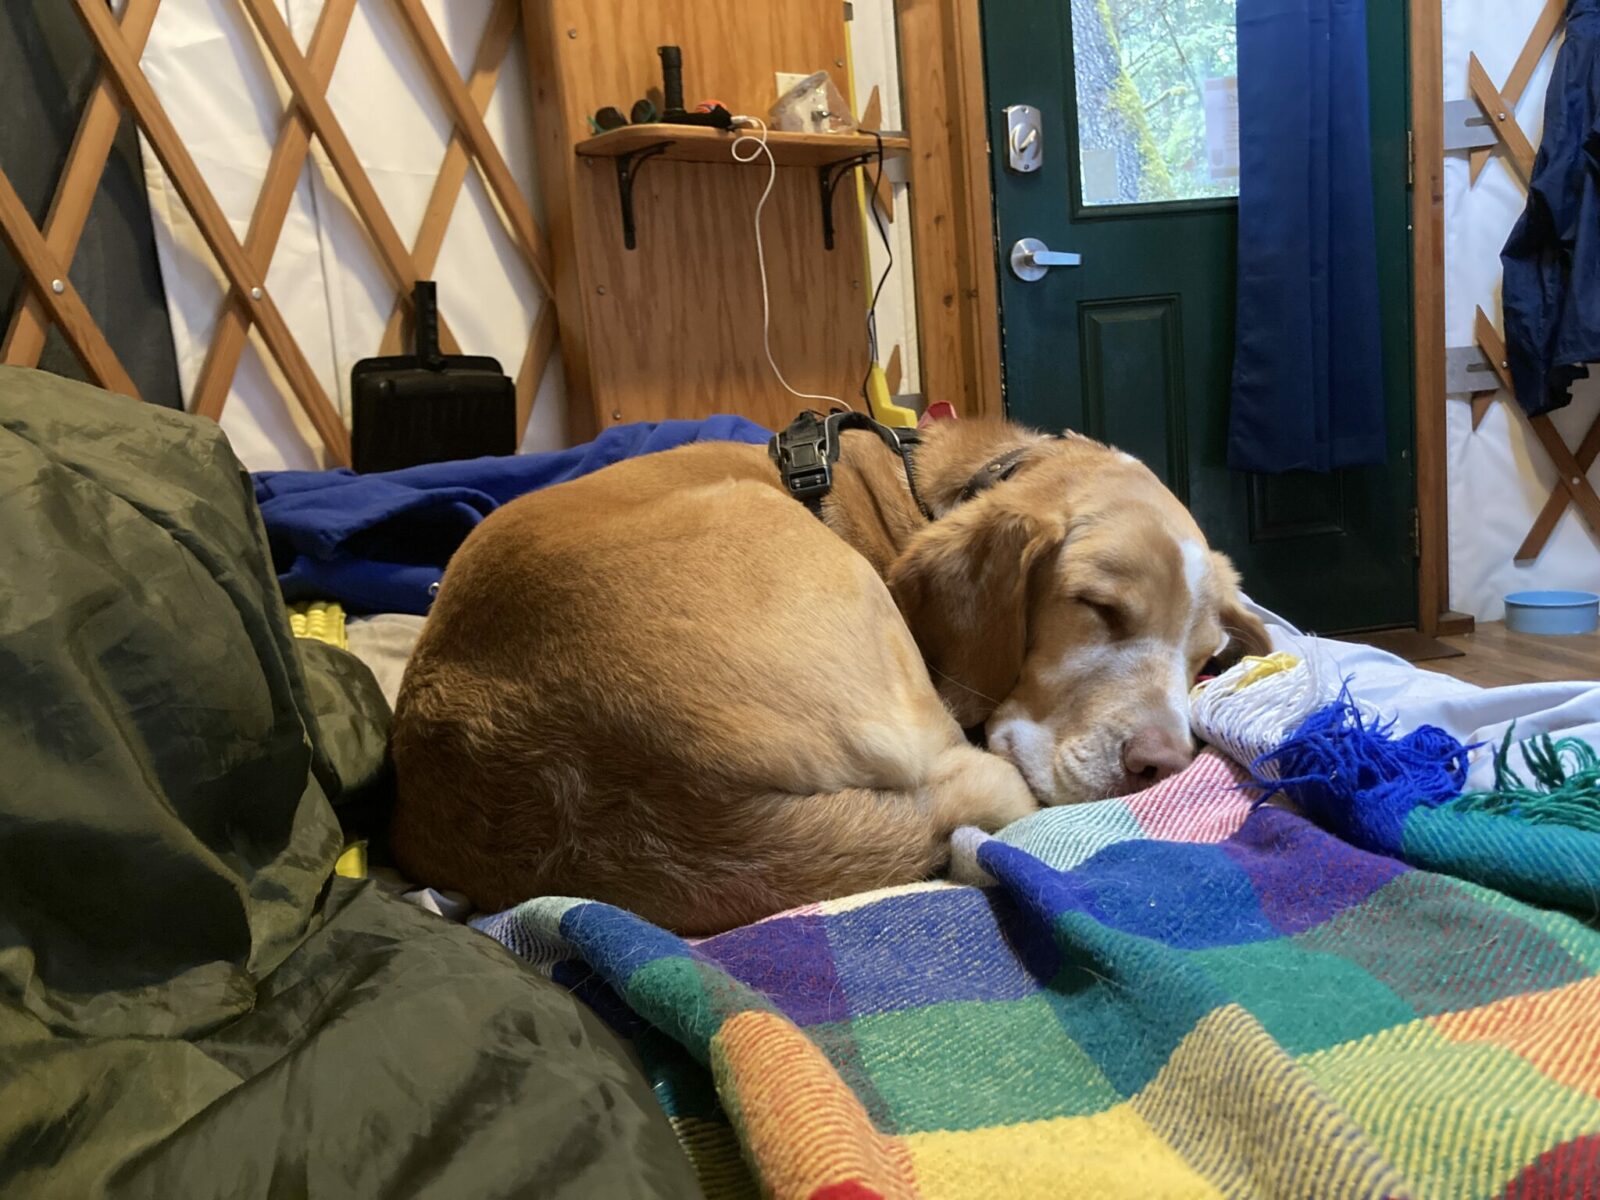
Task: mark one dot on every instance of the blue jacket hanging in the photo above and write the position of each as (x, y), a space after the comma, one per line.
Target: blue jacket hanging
(1552, 259)
(1308, 365)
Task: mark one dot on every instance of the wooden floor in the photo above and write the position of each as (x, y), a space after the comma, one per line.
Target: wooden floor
(1496, 656)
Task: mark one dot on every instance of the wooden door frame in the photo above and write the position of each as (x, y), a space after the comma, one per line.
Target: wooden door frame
(1427, 296)
(945, 106)
(1428, 318)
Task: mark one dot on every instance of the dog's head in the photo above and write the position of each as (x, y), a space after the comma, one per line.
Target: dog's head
(1068, 612)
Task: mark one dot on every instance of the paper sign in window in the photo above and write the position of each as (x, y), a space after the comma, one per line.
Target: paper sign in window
(1222, 127)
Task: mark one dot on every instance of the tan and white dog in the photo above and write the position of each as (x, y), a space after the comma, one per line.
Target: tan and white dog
(668, 686)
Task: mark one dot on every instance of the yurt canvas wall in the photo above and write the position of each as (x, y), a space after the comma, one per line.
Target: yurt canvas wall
(1499, 475)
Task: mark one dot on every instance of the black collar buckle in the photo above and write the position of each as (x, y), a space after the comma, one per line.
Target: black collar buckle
(806, 451)
(805, 454)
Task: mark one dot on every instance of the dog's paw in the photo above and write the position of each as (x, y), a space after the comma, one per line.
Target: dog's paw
(982, 789)
(964, 867)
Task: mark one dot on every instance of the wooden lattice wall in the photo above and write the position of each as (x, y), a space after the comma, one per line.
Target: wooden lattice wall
(46, 253)
(1497, 105)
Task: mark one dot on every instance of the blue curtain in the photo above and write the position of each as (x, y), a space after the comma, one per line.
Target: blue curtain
(1308, 368)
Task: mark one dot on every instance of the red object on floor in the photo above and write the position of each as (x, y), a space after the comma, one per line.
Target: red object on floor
(939, 410)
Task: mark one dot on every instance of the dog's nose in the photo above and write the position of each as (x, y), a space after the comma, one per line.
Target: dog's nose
(1151, 755)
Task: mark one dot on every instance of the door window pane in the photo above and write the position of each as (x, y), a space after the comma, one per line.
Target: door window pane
(1157, 99)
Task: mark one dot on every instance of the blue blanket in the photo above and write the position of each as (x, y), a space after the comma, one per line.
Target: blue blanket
(378, 543)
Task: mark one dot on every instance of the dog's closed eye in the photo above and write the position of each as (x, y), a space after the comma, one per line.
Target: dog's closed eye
(1109, 610)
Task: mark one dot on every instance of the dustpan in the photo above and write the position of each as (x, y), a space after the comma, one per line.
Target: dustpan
(429, 407)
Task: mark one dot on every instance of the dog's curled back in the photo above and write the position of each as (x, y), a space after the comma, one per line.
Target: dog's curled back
(668, 686)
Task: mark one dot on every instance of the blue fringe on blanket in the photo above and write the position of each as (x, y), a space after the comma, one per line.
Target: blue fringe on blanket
(1403, 797)
(1349, 774)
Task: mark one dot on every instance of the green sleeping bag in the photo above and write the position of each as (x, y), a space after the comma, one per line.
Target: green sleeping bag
(191, 1004)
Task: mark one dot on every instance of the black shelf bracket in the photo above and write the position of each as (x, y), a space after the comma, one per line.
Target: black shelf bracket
(627, 173)
(828, 177)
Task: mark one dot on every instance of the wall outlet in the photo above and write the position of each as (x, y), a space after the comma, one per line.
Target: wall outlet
(788, 79)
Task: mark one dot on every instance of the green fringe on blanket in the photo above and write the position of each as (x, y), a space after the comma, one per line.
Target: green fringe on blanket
(1566, 789)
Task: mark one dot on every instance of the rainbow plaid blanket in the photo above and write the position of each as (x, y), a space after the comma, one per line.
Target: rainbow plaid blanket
(1174, 994)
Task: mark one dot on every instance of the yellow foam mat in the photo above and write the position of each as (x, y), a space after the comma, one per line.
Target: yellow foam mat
(352, 861)
(319, 621)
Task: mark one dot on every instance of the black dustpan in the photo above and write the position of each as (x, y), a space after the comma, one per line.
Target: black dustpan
(429, 407)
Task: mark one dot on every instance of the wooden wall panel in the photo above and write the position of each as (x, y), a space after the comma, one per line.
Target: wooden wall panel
(607, 49)
(679, 319)
(673, 328)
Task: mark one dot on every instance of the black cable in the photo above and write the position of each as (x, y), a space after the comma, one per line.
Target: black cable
(872, 309)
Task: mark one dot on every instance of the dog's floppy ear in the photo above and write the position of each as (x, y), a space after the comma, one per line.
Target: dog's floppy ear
(1246, 634)
(963, 587)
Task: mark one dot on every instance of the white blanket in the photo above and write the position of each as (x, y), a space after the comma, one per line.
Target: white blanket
(1413, 697)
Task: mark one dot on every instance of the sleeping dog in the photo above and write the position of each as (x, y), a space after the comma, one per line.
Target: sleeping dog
(669, 686)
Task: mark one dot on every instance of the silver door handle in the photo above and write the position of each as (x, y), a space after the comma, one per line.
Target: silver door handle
(1031, 259)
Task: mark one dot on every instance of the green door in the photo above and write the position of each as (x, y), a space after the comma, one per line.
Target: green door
(1135, 345)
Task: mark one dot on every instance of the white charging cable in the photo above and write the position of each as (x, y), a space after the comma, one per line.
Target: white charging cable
(758, 146)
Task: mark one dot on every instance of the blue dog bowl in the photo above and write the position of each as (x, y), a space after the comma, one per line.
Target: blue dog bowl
(1552, 612)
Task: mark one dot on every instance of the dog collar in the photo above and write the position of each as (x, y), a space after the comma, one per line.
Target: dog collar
(806, 451)
(997, 470)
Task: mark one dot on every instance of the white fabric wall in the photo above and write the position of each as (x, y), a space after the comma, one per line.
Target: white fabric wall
(227, 102)
(1499, 475)
(876, 62)
(217, 86)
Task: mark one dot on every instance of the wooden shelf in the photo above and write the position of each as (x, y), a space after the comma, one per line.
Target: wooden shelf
(693, 143)
(832, 155)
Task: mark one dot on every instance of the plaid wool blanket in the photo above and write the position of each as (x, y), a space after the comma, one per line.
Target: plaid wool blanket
(1174, 994)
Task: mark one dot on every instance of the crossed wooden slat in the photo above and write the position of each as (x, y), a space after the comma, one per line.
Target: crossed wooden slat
(140, 100)
(469, 124)
(58, 297)
(1574, 486)
(1493, 347)
(457, 162)
(458, 158)
(1502, 115)
(45, 255)
(1575, 476)
(272, 208)
(1498, 106)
